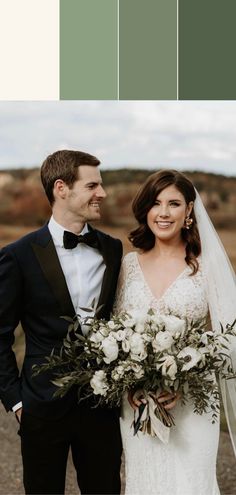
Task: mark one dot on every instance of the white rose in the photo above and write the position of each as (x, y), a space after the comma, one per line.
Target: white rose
(136, 344)
(162, 341)
(128, 332)
(174, 325)
(190, 356)
(119, 335)
(96, 337)
(169, 367)
(99, 383)
(110, 349)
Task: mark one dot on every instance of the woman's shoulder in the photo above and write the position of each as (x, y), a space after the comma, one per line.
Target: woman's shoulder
(130, 257)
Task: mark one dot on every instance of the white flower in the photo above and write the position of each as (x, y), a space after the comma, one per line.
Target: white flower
(169, 367)
(139, 357)
(111, 324)
(119, 335)
(162, 341)
(190, 356)
(174, 325)
(104, 330)
(99, 383)
(137, 369)
(118, 372)
(96, 337)
(128, 322)
(156, 322)
(125, 345)
(205, 337)
(140, 327)
(136, 343)
(110, 349)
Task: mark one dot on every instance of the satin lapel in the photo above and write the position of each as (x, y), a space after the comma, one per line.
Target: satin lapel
(108, 274)
(46, 255)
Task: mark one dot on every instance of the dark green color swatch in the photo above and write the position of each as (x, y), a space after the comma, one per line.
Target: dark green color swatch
(148, 49)
(207, 41)
(88, 49)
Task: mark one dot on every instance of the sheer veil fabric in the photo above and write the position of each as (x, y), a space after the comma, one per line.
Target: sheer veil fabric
(221, 292)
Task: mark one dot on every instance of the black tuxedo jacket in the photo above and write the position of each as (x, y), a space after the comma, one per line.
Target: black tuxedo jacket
(33, 291)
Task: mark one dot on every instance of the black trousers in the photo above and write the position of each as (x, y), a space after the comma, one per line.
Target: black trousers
(94, 437)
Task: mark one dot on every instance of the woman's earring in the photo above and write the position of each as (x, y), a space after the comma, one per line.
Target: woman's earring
(188, 223)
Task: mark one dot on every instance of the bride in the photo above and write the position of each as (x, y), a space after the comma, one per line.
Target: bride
(174, 272)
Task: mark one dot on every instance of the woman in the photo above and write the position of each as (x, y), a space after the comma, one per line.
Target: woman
(174, 272)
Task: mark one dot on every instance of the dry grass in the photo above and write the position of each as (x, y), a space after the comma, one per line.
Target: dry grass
(9, 233)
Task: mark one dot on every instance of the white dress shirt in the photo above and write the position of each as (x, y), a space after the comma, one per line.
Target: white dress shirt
(83, 268)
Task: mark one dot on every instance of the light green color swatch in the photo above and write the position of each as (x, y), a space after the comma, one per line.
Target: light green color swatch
(88, 49)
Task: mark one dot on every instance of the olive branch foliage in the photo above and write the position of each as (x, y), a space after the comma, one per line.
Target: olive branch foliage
(78, 360)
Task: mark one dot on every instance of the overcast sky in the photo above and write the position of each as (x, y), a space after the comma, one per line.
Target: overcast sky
(189, 135)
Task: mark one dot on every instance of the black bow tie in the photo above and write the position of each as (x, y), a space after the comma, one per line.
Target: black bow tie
(71, 240)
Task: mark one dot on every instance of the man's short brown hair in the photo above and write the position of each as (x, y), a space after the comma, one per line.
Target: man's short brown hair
(64, 165)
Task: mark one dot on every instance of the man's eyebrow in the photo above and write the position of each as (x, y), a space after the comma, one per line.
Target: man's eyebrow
(93, 183)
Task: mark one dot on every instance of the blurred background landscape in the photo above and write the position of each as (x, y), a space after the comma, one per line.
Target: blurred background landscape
(24, 206)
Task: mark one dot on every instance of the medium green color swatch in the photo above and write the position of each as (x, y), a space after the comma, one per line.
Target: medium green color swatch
(148, 49)
(207, 40)
(88, 49)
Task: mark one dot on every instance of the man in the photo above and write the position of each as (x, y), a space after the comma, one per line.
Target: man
(45, 275)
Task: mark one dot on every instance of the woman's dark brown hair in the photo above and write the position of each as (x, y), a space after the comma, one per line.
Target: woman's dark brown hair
(142, 237)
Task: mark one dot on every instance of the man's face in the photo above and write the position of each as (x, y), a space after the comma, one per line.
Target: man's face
(82, 201)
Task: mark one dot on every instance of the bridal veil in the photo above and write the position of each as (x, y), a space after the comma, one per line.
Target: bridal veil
(221, 291)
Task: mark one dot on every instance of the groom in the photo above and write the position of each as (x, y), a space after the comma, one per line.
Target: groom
(45, 275)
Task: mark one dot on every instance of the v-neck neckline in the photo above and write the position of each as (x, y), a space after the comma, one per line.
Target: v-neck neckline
(147, 285)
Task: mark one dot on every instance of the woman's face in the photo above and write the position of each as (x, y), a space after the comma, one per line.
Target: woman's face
(166, 218)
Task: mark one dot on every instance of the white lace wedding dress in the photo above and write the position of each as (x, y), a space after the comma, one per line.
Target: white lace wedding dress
(187, 464)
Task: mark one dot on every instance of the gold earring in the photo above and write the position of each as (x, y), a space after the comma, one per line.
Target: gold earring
(188, 223)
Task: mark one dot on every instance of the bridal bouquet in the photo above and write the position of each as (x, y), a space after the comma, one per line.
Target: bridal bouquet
(150, 353)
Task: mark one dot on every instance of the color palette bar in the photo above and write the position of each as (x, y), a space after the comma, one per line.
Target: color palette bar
(117, 49)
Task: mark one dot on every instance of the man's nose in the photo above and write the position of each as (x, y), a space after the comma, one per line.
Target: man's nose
(101, 193)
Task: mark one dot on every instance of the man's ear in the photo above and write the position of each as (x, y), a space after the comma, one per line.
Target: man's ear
(60, 189)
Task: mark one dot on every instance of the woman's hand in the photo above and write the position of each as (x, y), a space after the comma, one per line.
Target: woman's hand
(168, 400)
(136, 399)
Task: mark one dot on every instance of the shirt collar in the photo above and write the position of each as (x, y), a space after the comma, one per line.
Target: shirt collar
(56, 230)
